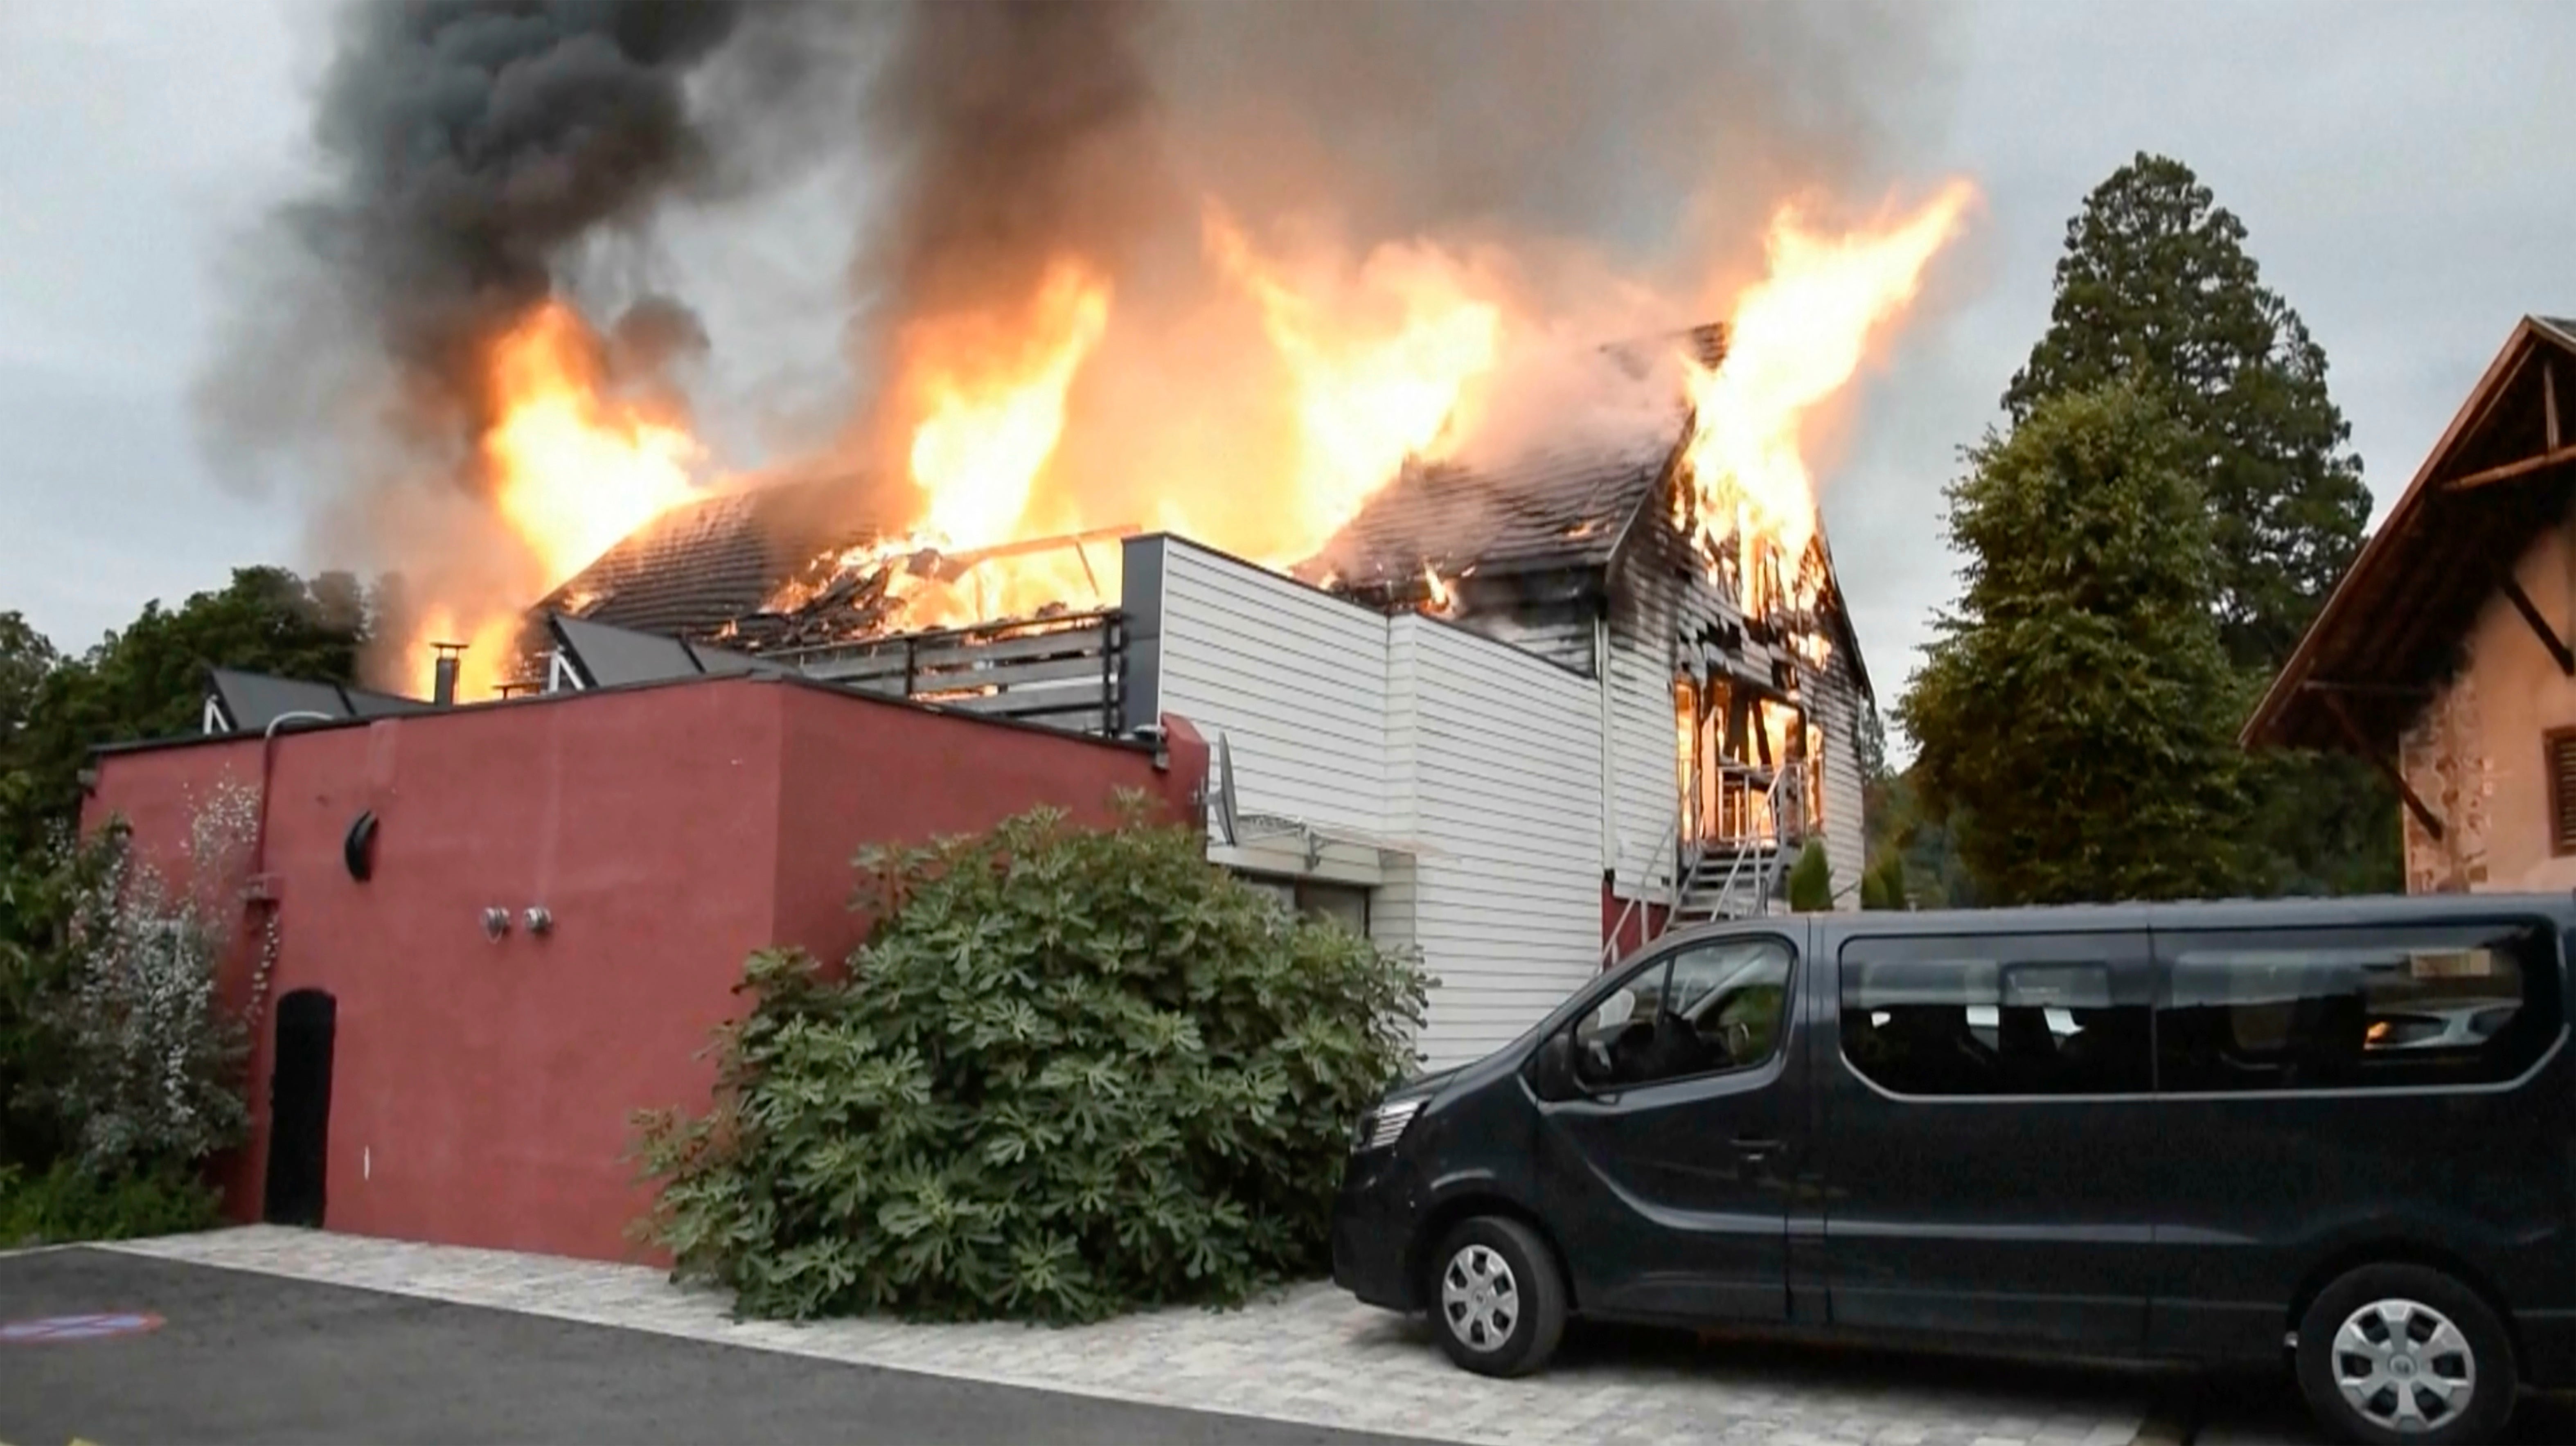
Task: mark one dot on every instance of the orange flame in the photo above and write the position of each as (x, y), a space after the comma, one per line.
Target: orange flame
(1441, 598)
(577, 468)
(1797, 336)
(1377, 380)
(573, 467)
(993, 405)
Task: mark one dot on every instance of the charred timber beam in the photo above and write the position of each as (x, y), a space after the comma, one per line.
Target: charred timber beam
(2396, 776)
(2540, 627)
(2510, 471)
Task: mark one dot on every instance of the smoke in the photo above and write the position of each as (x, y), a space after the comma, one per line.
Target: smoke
(472, 149)
(1602, 171)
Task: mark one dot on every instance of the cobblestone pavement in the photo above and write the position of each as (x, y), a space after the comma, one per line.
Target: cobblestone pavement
(1310, 1355)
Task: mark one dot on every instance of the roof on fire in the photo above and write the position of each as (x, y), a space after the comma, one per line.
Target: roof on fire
(704, 563)
(2503, 472)
(1549, 511)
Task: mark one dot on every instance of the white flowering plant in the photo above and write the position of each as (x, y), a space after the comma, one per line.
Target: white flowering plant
(152, 1062)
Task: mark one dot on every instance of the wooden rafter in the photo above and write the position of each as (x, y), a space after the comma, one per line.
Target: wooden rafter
(2548, 635)
(2362, 745)
(2548, 407)
(2488, 476)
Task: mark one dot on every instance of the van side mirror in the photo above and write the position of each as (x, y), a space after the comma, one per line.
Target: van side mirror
(1552, 1068)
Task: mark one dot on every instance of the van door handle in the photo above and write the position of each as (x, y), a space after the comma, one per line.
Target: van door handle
(1753, 1149)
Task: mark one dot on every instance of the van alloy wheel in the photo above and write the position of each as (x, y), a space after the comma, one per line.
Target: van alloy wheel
(1498, 1294)
(1479, 1300)
(2399, 1354)
(2404, 1366)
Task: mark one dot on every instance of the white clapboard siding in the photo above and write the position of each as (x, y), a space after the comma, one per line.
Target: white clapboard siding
(1478, 763)
(1507, 804)
(1838, 707)
(1293, 679)
(1645, 767)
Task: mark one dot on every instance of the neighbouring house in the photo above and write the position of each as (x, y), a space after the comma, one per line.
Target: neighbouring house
(2447, 654)
(497, 930)
(1517, 717)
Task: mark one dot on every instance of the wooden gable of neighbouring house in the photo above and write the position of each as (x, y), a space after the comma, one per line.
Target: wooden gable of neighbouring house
(2384, 668)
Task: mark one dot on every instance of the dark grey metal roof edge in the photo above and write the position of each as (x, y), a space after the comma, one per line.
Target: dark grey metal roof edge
(532, 700)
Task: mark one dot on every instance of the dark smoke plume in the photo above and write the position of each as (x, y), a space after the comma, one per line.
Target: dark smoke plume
(474, 149)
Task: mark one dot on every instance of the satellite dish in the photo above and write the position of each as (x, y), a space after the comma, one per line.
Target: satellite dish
(1229, 818)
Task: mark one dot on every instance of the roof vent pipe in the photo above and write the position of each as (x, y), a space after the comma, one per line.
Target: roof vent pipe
(442, 686)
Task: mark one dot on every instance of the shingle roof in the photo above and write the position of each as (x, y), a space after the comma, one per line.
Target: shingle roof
(705, 563)
(1549, 511)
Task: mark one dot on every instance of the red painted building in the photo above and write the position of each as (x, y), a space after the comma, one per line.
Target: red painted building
(480, 1087)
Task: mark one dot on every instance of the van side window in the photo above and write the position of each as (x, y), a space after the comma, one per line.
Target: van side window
(2385, 1008)
(1942, 1017)
(1709, 1008)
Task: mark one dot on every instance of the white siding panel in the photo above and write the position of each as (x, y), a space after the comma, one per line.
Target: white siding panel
(1507, 790)
(1293, 680)
(1485, 759)
(1646, 787)
(1838, 705)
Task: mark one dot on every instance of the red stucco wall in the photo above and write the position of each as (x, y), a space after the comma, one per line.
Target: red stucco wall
(481, 1091)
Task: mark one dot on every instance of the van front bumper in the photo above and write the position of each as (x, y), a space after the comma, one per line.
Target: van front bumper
(1372, 1231)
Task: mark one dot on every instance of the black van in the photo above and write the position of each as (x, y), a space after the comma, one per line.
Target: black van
(2337, 1131)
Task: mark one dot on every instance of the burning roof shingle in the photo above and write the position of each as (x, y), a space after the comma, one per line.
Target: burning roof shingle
(1547, 512)
(706, 563)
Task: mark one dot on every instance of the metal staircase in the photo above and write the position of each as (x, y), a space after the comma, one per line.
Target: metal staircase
(1739, 871)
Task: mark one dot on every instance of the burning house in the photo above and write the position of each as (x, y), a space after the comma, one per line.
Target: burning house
(1517, 717)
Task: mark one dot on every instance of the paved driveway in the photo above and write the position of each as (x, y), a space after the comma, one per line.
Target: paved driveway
(261, 1358)
(1314, 1358)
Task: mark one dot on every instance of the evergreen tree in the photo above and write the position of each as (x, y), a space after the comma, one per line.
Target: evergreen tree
(2073, 719)
(2156, 286)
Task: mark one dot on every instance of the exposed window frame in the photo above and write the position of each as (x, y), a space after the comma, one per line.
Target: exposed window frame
(2562, 839)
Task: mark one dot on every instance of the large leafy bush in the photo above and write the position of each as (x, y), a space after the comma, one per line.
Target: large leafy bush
(1071, 1073)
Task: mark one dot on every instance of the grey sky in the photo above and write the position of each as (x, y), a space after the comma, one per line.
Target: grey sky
(2397, 165)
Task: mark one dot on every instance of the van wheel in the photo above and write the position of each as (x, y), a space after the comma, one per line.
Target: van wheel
(2391, 1353)
(1496, 1299)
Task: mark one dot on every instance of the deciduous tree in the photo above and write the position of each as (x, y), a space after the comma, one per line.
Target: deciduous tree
(2073, 717)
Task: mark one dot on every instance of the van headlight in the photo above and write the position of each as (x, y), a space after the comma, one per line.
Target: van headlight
(1385, 1125)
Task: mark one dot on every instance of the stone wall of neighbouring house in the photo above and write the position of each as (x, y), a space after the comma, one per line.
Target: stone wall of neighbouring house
(2476, 755)
(2446, 762)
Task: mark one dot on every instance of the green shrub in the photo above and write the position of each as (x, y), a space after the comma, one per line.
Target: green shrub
(1883, 885)
(67, 1202)
(1071, 1073)
(1811, 880)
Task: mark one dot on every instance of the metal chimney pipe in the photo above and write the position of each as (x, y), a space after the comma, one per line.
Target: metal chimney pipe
(442, 686)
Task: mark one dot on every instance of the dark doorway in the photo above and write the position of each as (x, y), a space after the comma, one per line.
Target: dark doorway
(299, 1108)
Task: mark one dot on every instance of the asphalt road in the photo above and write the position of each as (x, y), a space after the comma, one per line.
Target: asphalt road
(243, 1357)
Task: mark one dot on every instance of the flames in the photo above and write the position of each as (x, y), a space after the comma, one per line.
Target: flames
(1796, 337)
(992, 406)
(1369, 364)
(1375, 380)
(572, 467)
